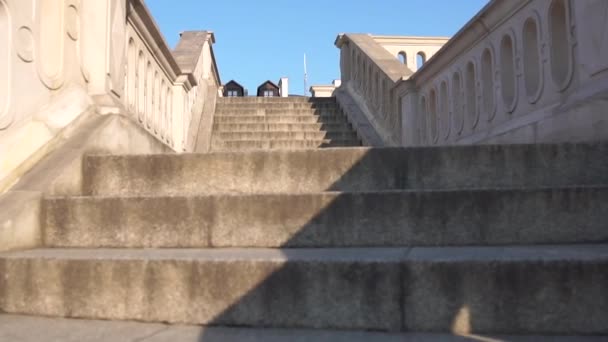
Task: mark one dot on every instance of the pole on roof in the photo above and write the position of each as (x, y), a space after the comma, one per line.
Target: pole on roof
(305, 77)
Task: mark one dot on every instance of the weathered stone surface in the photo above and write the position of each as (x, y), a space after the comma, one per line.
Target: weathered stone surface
(19, 220)
(350, 169)
(281, 144)
(427, 218)
(272, 110)
(188, 49)
(334, 288)
(275, 100)
(510, 290)
(287, 110)
(280, 127)
(128, 222)
(245, 119)
(287, 136)
(36, 329)
(523, 290)
(60, 173)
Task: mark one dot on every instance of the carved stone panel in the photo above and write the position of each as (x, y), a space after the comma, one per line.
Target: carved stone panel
(117, 44)
(51, 42)
(593, 35)
(73, 20)
(24, 44)
(5, 65)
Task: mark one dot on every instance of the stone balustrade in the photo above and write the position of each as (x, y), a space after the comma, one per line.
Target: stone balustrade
(370, 74)
(61, 60)
(520, 71)
(164, 88)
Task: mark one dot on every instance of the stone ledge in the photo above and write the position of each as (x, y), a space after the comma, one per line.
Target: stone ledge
(58, 171)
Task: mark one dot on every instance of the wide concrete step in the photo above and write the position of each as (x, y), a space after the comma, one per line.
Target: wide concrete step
(251, 99)
(507, 290)
(262, 111)
(348, 169)
(287, 144)
(31, 328)
(281, 127)
(437, 218)
(276, 106)
(280, 119)
(282, 135)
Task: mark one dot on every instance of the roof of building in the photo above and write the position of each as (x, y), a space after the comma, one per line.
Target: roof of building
(234, 82)
(269, 82)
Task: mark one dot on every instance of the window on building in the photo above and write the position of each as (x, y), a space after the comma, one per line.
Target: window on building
(233, 93)
(268, 93)
(402, 57)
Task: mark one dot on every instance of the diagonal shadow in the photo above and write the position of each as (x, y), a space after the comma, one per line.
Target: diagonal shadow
(346, 259)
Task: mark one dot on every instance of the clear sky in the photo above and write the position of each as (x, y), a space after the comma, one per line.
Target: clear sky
(265, 40)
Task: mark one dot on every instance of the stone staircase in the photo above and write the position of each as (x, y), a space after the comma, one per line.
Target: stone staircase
(474, 239)
(248, 123)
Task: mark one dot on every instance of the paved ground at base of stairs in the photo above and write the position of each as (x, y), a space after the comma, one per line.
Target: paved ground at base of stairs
(34, 329)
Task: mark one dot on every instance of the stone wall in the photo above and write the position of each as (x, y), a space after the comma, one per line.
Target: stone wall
(166, 90)
(43, 76)
(92, 76)
(60, 59)
(520, 71)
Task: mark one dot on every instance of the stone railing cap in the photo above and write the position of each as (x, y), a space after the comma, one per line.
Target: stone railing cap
(150, 25)
(189, 47)
(386, 62)
(492, 14)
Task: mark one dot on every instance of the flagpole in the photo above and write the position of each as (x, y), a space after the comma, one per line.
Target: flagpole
(305, 77)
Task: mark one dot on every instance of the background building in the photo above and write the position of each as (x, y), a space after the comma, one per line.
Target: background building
(268, 89)
(233, 89)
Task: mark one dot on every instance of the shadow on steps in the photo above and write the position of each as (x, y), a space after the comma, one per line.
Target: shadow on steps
(437, 288)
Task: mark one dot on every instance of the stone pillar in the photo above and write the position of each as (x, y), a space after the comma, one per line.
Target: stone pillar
(411, 60)
(104, 45)
(407, 100)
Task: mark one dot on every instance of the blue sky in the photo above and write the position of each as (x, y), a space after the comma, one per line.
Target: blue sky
(260, 40)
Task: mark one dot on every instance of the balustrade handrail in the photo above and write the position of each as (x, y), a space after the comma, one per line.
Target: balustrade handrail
(381, 58)
(167, 98)
(146, 25)
(372, 73)
(512, 74)
(491, 16)
(499, 79)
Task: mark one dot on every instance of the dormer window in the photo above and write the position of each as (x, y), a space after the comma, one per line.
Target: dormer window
(268, 89)
(233, 89)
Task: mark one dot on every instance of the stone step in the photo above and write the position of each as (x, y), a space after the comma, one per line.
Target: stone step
(348, 169)
(406, 218)
(286, 144)
(31, 328)
(281, 127)
(280, 119)
(281, 135)
(507, 290)
(261, 111)
(251, 99)
(276, 106)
